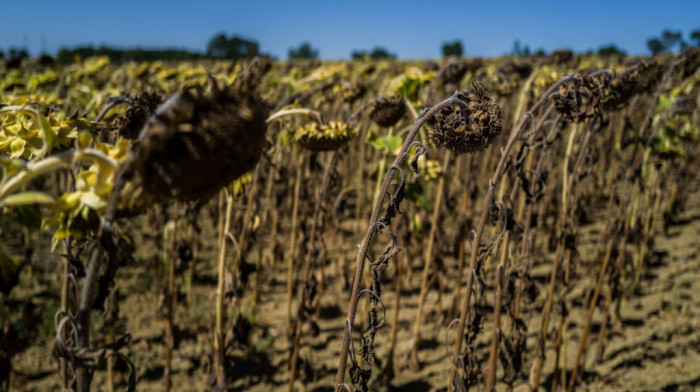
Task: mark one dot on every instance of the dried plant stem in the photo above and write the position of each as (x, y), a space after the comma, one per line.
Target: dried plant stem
(369, 233)
(500, 273)
(589, 316)
(219, 359)
(110, 363)
(464, 205)
(559, 339)
(395, 318)
(505, 153)
(458, 281)
(87, 296)
(171, 298)
(192, 240)
(246, 220)
(382, 167)
(293, 239)
(63, 364)
(310, 253)
(536, 370)
(527, 218)
(603, 327)
(359, 206)
(415, 344)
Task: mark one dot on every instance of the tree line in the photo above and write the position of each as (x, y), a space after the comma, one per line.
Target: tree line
(235, 47)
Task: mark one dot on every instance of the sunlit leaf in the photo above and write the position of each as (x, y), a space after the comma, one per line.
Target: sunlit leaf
(17, 148)
(29, 197)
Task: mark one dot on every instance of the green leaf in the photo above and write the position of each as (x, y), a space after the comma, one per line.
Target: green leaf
(414, 193)
(57, 236)
(24, 198)
(664, 102)
(385, 143)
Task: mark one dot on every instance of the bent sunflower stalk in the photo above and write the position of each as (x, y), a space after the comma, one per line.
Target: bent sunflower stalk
(457, 100)
(482, 223)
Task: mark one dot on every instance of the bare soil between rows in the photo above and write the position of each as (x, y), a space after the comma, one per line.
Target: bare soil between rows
(654, 346)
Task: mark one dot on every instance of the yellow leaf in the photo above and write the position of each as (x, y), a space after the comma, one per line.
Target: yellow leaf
(28, 198)
(17, 148)
(84, 140)
(92, 200)
(67, 201)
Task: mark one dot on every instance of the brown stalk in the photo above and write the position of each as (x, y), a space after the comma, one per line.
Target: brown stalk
(505, 153)
(171, 299)
(579, 364)
(219, 359)
(293, 240)
(330, 166)
(560, 256)
(413, 354)
(369, 233)
(246, 221)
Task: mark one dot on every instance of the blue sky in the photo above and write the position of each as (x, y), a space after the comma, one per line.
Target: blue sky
(410, 29)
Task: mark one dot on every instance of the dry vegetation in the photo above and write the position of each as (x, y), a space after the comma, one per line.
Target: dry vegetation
(499, 224)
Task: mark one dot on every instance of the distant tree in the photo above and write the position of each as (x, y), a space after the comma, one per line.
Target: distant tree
(667, 42)
(377, 53)
(695, 36)
(234, 47)
(610, 50)
(671, 38)
(69, 55)
(303, 51)
(381, 53)
(520, 50)
(359, 55)
(453, 48)
(19, 53)
(656, 46)
(2, 54)
(540, 52)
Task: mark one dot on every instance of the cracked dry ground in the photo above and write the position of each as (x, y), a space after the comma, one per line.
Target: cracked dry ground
(653, 346)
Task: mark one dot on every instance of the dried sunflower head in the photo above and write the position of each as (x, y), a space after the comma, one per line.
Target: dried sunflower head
(350, 92)
(507, 77)
(453, 71)
(470, 129)
(140, 109)
(386, 112)
(615, 90)
(558, 57)
(257, 67)
(578, 98)
(196, 143)
(646, 75)
(331, 136)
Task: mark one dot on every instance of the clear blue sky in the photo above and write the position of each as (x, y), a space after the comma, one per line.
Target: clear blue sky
(410, 29)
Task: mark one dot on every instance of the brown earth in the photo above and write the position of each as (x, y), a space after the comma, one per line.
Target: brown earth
(653, 346)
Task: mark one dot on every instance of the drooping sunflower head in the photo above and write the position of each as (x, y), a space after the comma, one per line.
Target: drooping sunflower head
(195, 143)
(386, 112)
(140, 109)
(326, 137)
(578, 98)
(467, 129)
(453, 71)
